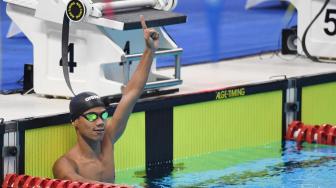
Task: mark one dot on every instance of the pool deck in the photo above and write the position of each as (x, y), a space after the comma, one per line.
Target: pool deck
(196, 78)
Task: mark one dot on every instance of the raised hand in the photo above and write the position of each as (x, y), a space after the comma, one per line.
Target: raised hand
(151, 36)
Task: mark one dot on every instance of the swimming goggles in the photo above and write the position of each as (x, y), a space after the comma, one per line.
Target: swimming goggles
(93, 116)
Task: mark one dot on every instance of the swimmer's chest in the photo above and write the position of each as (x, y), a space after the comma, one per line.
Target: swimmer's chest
(97, 170)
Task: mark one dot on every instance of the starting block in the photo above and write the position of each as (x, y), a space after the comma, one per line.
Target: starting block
(320, 39)
(104, 49)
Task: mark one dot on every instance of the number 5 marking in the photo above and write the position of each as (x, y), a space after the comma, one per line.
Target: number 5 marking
(327, 19)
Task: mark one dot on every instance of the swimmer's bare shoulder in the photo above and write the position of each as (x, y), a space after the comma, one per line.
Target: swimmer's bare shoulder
(66, 168)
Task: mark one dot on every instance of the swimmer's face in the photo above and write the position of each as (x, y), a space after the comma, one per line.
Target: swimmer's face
(91, 124)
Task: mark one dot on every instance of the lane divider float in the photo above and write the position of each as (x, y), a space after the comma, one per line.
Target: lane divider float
(26, 181)
(320, 134)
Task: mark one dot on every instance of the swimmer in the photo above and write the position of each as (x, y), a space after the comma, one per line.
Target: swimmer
(92, 158)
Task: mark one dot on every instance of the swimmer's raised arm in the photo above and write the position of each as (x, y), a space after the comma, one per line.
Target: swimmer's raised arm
(116, 126)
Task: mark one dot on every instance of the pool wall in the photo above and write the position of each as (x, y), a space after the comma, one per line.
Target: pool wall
(165, 129)
(169, 129)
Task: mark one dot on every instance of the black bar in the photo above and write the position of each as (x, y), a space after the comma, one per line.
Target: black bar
(318, 79)
(35, 123)
(21, 149)
(284, 125)
(159, 142)
(172, 101)
(299, 99)
(2, 132)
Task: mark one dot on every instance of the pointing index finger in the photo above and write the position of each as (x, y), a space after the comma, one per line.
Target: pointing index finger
(143, 22)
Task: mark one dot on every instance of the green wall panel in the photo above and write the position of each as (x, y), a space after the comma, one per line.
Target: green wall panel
(319, 103)
(239, 122)
(130, 148)
(44, 145)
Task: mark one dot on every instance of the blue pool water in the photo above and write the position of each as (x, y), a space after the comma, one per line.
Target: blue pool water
(312, 166)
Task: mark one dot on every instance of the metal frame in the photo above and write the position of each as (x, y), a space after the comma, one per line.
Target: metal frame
(159, 84)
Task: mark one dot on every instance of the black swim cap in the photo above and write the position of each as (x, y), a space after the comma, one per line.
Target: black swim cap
(83, 102)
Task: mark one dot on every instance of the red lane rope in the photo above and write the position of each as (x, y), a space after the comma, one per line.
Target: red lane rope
(74, 185)
(20, 180)
(302, 135)
(292, 128)
(25, 181)
(323, 134)
(331, 136)
(311, 133)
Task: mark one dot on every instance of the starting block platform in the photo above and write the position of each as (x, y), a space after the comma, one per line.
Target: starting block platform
(154, 18)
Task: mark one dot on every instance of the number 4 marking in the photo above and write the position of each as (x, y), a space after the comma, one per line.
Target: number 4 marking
(71, 63)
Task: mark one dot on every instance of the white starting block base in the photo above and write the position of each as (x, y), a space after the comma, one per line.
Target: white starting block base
(97, 58)
(321, 38)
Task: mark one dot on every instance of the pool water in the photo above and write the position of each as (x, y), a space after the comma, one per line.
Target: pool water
(273, 165)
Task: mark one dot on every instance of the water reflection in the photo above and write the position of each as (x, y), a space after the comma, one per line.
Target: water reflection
(290, 167)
